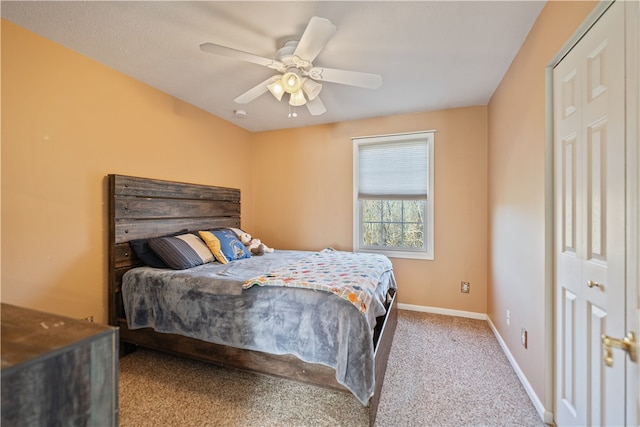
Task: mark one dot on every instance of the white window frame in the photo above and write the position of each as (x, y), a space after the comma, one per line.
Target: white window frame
(426, 253)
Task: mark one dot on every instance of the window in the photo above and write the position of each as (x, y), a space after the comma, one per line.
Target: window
(393, 195)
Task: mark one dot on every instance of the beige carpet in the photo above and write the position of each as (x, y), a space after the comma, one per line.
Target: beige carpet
(443, 371)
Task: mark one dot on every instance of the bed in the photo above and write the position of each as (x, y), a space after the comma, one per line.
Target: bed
(142, 208)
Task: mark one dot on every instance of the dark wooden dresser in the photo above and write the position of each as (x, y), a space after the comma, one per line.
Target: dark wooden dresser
(57, 371)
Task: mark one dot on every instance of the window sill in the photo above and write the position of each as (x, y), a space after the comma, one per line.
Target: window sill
(400, 254)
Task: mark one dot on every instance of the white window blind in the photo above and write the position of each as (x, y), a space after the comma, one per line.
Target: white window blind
(393, 194)
(394, 170)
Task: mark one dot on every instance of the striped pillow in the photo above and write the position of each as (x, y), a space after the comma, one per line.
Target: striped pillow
(145, 254)
(181, 252)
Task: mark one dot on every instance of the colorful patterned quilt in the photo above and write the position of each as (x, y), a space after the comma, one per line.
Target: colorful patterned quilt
(351, 276)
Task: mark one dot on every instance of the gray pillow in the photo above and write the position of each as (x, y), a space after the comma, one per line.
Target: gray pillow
(181, 252)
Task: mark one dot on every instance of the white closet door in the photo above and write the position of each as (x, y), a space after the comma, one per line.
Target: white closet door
(589, 144)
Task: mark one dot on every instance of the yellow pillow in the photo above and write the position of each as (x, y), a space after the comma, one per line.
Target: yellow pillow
(214, 245)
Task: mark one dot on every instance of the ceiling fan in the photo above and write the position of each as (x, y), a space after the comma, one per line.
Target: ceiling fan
(298, 77)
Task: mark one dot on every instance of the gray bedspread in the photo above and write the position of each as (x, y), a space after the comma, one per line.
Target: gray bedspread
(208, 303)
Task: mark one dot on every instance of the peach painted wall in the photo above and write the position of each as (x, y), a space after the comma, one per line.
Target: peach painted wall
(517, 203)
(67, 122)
(303, 196)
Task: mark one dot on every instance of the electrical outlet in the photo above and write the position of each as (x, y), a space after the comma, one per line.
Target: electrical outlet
(508, 317)
(465, 287)
(523, 337)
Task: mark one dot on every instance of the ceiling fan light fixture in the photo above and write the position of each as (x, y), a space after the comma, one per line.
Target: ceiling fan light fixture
(291, 82)
(311, 88)
(276, 89)
(297, 99)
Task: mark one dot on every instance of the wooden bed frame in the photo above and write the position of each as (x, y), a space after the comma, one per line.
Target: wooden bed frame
(144, 208)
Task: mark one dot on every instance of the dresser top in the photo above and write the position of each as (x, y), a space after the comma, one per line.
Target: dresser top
(30, 334)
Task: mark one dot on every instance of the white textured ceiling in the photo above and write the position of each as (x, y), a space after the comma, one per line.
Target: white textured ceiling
(432, 55)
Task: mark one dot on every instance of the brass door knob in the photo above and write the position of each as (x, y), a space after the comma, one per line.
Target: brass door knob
(628, 344)
(592, 284)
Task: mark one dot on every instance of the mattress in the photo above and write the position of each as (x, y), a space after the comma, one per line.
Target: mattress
(209, 303)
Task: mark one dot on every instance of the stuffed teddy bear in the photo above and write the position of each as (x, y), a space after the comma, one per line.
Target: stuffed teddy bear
(255, 246)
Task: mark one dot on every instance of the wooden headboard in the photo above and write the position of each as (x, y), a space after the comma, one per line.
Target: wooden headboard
(142, 208)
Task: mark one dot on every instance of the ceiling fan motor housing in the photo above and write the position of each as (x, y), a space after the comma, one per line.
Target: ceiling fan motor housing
(285, 53)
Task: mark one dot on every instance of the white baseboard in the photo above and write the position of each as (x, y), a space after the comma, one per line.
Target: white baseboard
(545, 416)
(445, 311)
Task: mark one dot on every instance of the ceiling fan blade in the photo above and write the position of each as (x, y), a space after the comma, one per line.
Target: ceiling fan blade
(318, 32)
(345, 77)
(316, 107)
(243, 56)
(255, 91)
